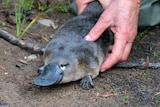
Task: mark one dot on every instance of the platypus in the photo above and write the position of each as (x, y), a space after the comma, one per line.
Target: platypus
(69, 57)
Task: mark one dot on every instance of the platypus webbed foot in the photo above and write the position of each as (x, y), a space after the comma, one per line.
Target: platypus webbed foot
(87, 83)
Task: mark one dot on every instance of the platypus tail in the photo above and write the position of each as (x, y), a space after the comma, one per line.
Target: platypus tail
(93, 9)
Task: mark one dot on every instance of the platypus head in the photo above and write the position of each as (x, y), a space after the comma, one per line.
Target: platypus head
(59, 70)
(49, 74)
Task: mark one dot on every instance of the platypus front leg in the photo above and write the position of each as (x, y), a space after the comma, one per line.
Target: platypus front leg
(87, 82)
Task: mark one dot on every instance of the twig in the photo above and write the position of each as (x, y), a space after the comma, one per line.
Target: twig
(15, 41)
(142, 65)
(156, 95)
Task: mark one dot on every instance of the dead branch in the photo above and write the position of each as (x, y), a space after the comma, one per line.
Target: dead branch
(142, 65)
(18, 42)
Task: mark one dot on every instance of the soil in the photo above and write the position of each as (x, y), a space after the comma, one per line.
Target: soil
(116, 87)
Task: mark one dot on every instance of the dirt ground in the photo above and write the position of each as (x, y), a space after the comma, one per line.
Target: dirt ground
(116, 87)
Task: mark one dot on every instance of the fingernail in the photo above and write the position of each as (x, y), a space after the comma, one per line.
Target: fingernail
(87, 37)
(102, 70)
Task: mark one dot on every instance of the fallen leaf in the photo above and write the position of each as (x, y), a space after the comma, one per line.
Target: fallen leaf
(105, 95)
(5, 53)
(2, 67)
(48, 23)
(22, 61)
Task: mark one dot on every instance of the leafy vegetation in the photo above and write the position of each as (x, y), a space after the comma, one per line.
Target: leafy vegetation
(125, 98)
(23, 6)
(142, 35)
(61, 8)
(6, 3)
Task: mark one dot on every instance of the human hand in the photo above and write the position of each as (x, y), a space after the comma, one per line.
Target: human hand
(121, 17)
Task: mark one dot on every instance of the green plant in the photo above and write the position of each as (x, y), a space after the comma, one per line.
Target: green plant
(125, 98)
(61, 8)
(142, 35)
(42, 7)
(18, 15)
(28, 26)
(6, 3)
(23, 5)
(137, 105)
(3, 23)
(26, 4)
(155, 54)
(157, 101)
(145, 73)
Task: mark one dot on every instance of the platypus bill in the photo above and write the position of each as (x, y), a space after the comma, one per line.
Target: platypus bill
(68, 57)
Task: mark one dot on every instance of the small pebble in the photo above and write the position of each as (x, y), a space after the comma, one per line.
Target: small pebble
(30, 57)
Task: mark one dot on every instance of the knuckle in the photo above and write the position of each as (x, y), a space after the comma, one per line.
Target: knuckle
(118, 57)
(123, 59)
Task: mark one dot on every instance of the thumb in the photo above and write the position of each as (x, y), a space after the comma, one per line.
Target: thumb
(97, 30)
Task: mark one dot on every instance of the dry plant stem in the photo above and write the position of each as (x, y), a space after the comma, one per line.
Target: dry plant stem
(15, 41)
(105, 95)
(156, 95)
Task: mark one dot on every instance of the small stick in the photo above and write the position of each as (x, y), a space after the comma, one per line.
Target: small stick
(157, 94)
(129, 65)
(15, 41)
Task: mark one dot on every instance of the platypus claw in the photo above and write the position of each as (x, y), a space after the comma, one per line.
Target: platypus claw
(87, 83)
(40, 70)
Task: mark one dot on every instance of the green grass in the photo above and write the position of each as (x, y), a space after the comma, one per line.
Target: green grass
(42, 8)
(137, 105)
(142, 35)
(125, 98)
(6, 3)
(26, 4)
(155, 54)
(21, 8)
(145, 73)
(19, 23)
(62, 8)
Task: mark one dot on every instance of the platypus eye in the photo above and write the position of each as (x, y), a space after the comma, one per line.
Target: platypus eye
(63, 66)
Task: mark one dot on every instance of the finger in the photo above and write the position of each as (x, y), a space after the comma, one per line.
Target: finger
(80, 9)
(81, 5)
(101, 25)
(116, 55)
(126, 52)
(105, 3)
(110, 48)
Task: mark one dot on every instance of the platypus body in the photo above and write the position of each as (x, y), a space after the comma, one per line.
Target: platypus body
(68, 57)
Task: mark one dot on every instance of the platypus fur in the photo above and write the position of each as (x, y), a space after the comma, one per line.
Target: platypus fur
(68, 57)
